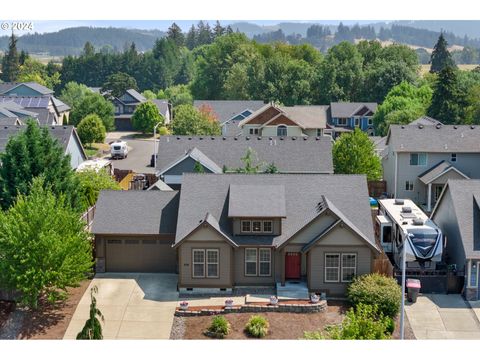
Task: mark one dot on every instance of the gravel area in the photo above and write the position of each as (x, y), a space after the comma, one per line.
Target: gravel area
(178, 328)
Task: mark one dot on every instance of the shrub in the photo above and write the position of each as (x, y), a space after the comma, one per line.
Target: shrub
(257, 326)
(163, 130)
(376, 289)
(313, 335)
(91, 129)
(364, 322)
(219, 328)
(390, 325)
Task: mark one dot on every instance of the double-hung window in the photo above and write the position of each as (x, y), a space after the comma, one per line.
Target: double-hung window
(198, 263)
(256, 226)
(409, 185)
(265, 261)
(357, 121)
(342, 121)
(370, 121)
(418, 159)
(453, 157)
(246, 226)
(251, 262)
(340, 267)
(205, 263)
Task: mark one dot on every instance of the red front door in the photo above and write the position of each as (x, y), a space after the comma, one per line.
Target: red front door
(292, 265)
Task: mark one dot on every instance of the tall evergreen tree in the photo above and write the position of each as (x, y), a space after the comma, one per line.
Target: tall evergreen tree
(88, 49)
(229, 30)
(440, 57)
(11, 61)
(218, 30)
(204, 33)
(191, 38)
(175, 33)
(448, 101)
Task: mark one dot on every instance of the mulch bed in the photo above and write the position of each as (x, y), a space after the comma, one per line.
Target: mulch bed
(51, 321)
(6, 308)
(282, 325)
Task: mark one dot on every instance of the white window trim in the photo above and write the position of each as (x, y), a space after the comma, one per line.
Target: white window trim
(470, 263)
(269, 262)
(241, 226)
(356, 121)
(263, 226)
(212, 263)
(196, 263)
(283, 127)
(256, 261)
(342, 121)
(331, 267)
(348, 267)
(410, 182)
(370, 121)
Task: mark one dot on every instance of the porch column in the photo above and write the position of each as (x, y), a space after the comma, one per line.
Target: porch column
(282, 255)
(429, 203)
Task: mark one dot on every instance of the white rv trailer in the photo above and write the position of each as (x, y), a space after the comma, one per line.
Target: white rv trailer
(401, 222)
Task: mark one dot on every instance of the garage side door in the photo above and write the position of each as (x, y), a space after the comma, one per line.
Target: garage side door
(134, 255)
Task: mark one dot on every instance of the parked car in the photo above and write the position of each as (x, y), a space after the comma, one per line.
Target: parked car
(119, 150)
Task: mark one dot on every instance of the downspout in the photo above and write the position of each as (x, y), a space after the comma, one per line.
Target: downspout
(395, 180)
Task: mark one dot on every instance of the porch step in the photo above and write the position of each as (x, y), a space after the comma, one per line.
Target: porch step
(292, 290)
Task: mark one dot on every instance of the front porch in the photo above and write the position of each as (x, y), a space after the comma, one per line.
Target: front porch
(292, 289)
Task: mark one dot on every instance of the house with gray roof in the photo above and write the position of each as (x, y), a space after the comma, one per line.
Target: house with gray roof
(217, 154)
(66, 136)
(426, 121)
(346, 116)
(420, 159)
(24, 89)
(457, 213)
(235, 230)
(229, 113)
(276, 120)
(126, 105)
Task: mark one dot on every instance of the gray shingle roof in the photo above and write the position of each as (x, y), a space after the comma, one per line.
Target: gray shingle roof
(425, 120)
(4, 87)
(225, 110)
(162, 106)
(437, 170)
(136, 212)
(441, 139)
(10, 121)
(289, 154)
(61, 133)
(209, 193)
(256, 201)
(465, 196)
(348, 109)
(307, 116)
(136, 95)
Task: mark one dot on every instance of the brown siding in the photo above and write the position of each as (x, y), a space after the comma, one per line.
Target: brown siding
(264, 116)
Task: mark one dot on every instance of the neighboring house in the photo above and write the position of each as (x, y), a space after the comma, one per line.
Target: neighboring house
(346, 116)
(425, 120)
(457, 213)
(179, 154)
(13, 114)
(235, 230)
(66, 136)
(380, 145)
(229, 113)
(126, 105)
(421, 159)
(276, 120)
(37, 99)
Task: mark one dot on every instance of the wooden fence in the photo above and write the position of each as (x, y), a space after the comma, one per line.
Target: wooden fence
(377, 188)
(88, 216)
(383, 266)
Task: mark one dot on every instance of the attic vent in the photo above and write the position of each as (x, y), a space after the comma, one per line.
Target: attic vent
(305, 137)
(224, 138)
(403, 126)
(472, 127)
(270, 138)
(317, 138)
(446, 146)
(399, 201)
(200, 138)
(247, 138)
(406, 209)
(259, 138)
(212, 138)
(455, 127)
(64, 127)
(417, 221)
(438, 126)
(235, 138)
(322, 204)
(294, 138)
(189, 138)
(281, 138)
(178, 137)
(420, 126)
(462, 135)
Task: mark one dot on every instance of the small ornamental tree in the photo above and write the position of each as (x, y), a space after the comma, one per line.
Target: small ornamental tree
(250, 162)
(44, 247)
(91, 182)
(190, 121)
(93, 328)
(93, 103)
(146, 116)
(198, 168)
(354, 153)
(91, 129)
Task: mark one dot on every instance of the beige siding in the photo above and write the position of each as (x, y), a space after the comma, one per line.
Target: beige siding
(313, 230)
(317, 260)
(272, 131)
(311, 132)
(205, 238)
(242, 280)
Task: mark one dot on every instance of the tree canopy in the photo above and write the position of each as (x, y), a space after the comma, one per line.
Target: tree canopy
(190, 121)
(44, 246)
(354, 153)
(93, 103)
(441, 57)
(146, 116)
(116, 84)
(91, 182)
(11, 61)
(91, 129)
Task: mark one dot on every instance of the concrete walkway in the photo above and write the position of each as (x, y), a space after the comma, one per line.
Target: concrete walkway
(135, 306)
(442, 317)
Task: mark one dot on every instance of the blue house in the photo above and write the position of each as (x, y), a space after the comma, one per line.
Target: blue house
(346, 116)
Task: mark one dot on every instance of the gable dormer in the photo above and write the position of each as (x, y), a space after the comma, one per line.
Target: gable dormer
(257, 209)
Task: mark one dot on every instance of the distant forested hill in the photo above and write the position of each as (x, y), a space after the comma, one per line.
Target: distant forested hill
(71, 41)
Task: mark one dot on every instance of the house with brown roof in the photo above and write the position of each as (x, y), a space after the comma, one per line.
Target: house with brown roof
(277, 120)
(242, 230)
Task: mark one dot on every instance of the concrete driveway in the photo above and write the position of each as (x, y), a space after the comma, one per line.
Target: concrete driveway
(139, 152)
(135, 306)
(442, 317)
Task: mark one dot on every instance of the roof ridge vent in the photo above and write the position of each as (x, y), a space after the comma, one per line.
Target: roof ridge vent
(438, 126)
(294, 138)
(472, 127)
(399, 201)
(420, 126)
(259, 138)
(247, 138)
(455, 127)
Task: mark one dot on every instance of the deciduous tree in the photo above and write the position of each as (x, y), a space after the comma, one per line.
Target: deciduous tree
(94, 103)
(146, 116)
(91, 129)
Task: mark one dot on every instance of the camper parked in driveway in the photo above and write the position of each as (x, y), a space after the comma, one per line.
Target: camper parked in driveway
(119, 150)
